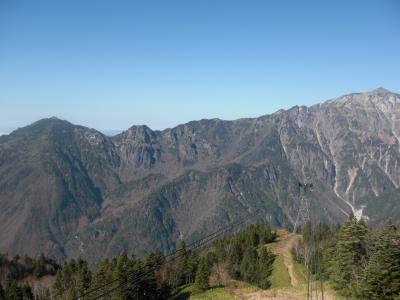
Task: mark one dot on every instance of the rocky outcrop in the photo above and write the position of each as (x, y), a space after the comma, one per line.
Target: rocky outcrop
(67, 190)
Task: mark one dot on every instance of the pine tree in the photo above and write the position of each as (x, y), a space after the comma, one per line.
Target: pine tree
(135, 269)
(70, 293)
(235, 255)
(120, 275)
(251, 236)
(202, 276)
(266, 235)
(26, 292)
(151, 287)
(120, 270)
(182, 263)
(15, 292)
(349, 258)
(102, 275)
(382, 274)
(84, 278)
(248, 265)
(155, 260)
(264, 268)
(2, 296)
(58, 286)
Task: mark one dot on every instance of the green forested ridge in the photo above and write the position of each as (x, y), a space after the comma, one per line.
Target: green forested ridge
(15, 271)
(248, 258)
(357, 261)
(154, 277)
(67, 190)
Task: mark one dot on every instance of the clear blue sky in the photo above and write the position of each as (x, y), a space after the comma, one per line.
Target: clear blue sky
(113, 64)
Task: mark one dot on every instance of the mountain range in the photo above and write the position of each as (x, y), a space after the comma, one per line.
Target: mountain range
(69, 191)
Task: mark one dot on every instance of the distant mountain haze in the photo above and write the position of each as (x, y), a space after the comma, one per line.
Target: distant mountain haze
(69, 191)
(108, 132)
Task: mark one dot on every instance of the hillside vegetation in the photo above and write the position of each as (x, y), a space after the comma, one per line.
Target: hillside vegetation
(350, 261)
(358, 262)
(242, 256)
(67, 191)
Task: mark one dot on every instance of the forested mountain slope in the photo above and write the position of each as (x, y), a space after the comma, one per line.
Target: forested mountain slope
(70, 191)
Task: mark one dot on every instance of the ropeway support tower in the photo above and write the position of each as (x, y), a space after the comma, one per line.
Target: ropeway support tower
(303, 215)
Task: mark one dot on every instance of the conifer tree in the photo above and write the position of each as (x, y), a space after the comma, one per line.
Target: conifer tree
(235, 255)
(58, 286)
(156, 286)
(155, 259)
(26, 292)
(264, 268)
(183, 263)
(15, 292)
(102, 275)
(120, 274)
(202, 276)
(187, 267)
(134, 268)
(84, 278)
(120, 269)
(381, 279)
(248, 265)
(349, 258)
(2, 296)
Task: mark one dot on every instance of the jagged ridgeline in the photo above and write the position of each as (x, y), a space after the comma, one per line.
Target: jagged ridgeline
(243, 255)
(69, 191)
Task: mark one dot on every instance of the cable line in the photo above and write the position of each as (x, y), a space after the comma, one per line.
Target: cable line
(128, 283)
(172, 256)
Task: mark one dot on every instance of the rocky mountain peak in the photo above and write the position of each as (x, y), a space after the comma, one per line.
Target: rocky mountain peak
(140, 133)
(42, 127)
(145, 187)
(50, 121)
(380, 98)
(380, 91)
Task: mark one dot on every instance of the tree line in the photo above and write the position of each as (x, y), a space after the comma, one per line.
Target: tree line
(243, 255)
(246, 255)
(359, 262)
(17, 269)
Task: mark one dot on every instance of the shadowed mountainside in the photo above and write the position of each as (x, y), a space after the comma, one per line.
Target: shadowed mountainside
(70, 191)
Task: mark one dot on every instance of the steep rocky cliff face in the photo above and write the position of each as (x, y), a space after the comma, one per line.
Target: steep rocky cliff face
(70, 191)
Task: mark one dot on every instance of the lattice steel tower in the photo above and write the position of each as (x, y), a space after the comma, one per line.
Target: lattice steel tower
(303, 214)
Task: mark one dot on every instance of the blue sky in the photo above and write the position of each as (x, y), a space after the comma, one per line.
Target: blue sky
(113, 64)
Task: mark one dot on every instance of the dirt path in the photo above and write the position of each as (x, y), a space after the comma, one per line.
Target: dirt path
(282, 248)
(297, 291)
(267, 295)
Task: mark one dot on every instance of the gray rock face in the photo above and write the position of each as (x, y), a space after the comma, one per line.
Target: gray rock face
(70, 191)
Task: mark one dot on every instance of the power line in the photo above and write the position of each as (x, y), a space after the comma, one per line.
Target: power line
(129, 282)
(304, 209)
(193, 244)
(174, 255)
(126, 285)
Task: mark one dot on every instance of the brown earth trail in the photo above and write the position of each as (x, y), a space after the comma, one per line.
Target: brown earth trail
(282, 248)
(297, 290)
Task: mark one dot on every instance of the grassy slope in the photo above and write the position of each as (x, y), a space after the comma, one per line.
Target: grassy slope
(188, 292)
(217, 293)
(281, 287)
(280, 277)
(300, 272)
